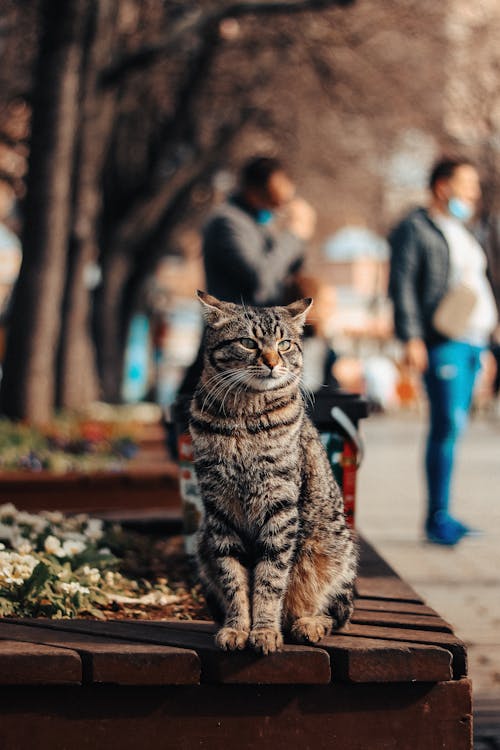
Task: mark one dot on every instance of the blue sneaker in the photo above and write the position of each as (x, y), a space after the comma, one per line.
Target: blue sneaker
(442, 528)
(470, 530)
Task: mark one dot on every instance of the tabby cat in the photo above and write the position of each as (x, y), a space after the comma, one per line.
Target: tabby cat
(274, 551)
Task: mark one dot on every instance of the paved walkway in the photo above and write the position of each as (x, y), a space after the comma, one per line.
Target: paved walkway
(462, 583)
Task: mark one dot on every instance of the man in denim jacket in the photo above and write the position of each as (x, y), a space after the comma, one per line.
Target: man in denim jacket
(433, 252)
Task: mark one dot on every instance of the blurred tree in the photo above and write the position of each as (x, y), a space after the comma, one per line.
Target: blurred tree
(28, 383)
(128, 122)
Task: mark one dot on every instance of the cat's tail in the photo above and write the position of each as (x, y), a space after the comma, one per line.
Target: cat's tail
(342, 606)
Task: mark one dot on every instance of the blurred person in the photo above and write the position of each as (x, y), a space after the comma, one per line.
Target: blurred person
(255, 240)
(10, 258)
(444, 312)
(319, 356)
(487, 231)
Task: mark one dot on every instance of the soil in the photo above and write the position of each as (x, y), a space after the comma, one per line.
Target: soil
(158, 560)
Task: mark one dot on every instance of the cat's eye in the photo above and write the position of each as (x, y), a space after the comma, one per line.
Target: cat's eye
(249, 343)
(284, 345)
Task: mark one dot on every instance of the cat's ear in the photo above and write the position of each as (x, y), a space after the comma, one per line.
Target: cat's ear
(299, 309)
(215, 312)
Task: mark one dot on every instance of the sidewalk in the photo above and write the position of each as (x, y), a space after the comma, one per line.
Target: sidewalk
(462, 583)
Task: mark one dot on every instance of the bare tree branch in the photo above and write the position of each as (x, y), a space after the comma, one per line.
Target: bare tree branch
(190, 23)
(287, 6)
(196, 20)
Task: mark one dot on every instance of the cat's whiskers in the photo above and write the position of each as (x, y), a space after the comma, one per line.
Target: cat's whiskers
(307, 395)
(216, 392)
(263, 382)
(221, 380)
(226, 386)
(218, 375)
(237, 380)
(243, 387)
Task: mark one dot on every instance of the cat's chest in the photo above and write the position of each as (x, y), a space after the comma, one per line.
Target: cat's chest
(249, 470)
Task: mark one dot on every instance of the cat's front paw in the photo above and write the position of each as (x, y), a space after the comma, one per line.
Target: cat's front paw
(311, 629)
(266, 640)
(231, 639)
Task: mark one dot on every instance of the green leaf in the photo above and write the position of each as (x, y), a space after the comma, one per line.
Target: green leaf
(37, 580)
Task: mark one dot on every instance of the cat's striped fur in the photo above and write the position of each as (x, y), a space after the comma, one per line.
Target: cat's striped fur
(274, 551)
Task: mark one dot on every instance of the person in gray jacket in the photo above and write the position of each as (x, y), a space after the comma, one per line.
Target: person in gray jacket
(445, 313)
(255, 241)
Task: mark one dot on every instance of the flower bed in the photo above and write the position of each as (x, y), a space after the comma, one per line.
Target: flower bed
(58, 566)
(68, 444)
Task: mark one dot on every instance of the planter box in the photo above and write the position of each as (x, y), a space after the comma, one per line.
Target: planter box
(395, 678)
(147, 483)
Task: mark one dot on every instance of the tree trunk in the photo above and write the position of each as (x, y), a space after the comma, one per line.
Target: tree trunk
(78, 382)
(110, 337)
(28, 385)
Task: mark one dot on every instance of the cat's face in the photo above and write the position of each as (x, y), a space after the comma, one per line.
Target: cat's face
(256, 348)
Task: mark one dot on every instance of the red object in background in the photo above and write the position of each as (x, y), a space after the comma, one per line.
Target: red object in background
(94, 432)
(159, 332)
(185, 447)
(349, 468)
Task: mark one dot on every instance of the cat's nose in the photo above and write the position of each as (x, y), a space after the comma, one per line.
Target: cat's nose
(270, 358)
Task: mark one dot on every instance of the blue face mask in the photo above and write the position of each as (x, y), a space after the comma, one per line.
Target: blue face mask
(264, 216)
(460, 209)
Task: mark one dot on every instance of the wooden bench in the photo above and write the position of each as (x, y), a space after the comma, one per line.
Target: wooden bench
(395, 679)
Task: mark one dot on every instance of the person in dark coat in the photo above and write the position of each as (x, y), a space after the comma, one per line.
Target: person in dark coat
(444, 313)
(254, 242)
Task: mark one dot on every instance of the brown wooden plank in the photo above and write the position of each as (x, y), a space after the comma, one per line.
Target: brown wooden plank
(292, 665)
(385, 587)
(379, 605)
(401, 661)
(80, 496)
(373, 660)
(204, 626)
(401, 620)
(378, 580)
(152, 432)
(371, 563)
(31, 664)
(344, 716)
(107, 660)
(444, 640)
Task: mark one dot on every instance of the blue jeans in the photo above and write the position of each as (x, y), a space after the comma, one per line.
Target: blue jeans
(449, 380)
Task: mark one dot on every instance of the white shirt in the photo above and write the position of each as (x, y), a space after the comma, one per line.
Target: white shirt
(468, 266)
(313, 374)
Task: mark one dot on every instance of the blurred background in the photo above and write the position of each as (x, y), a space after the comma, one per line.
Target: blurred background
(123, 122)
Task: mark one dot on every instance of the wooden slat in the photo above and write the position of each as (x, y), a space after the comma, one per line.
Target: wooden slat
(370, 562)
(197, 626)
(401, 620)
(339, 716)
(379, 605)
(385, 587)
(79, 496)
(378, 580)
(293, 665)
(109, 660)
(444, 640)
(31, 664)
(365, 659)
(373, 660)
